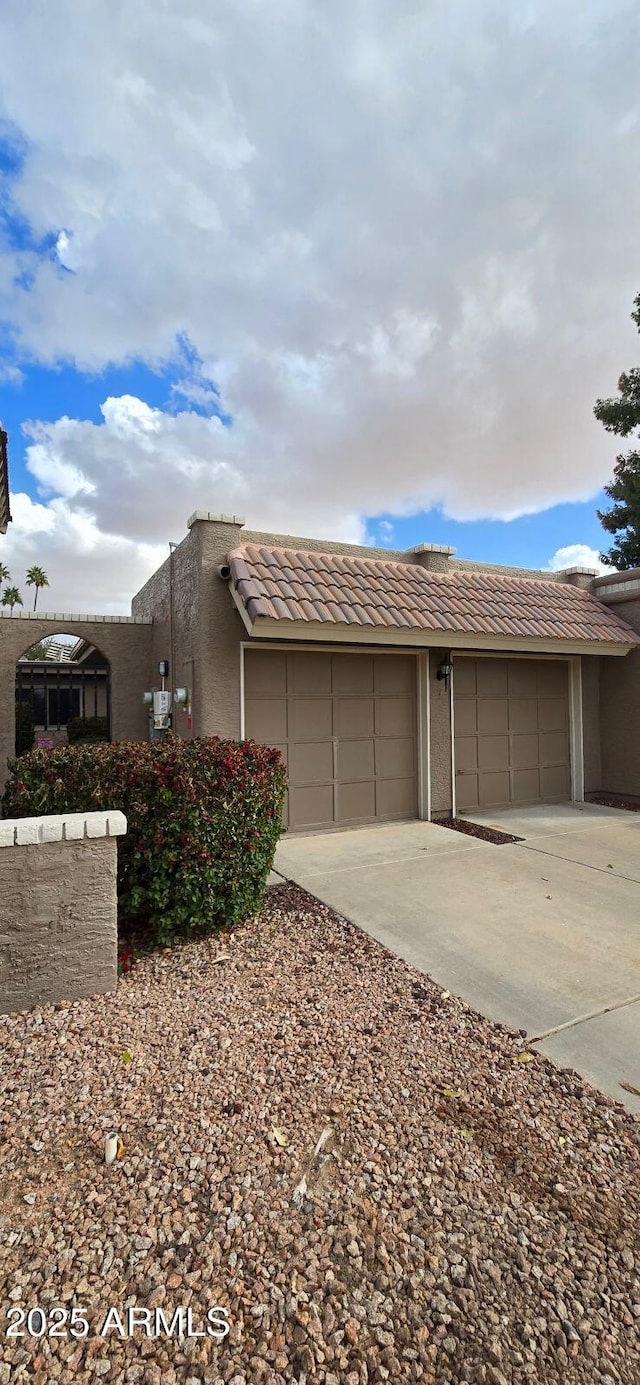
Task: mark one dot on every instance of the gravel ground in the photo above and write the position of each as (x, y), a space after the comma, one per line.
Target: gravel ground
(613, 800)
(467, 1217)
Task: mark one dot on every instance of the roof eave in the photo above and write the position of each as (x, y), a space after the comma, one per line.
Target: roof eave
(329, 633)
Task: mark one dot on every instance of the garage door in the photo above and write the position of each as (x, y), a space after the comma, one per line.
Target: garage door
(346, 726)
(511, 725)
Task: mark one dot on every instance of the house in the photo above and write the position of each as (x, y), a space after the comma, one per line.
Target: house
(400, 684)
(5, 516)
(59, 680)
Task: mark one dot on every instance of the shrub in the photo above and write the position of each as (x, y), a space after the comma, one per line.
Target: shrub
(87, 730)
(203, 821)
(25, 733)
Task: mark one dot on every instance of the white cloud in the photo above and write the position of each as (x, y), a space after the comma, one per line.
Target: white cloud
(577, 555)
(380, 228)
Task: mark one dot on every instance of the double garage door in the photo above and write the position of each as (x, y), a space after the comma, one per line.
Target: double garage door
(346, 727)
(511, 727)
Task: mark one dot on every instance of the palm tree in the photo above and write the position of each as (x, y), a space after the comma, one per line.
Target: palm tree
(4, 573)
(37, 577)
(11, 597)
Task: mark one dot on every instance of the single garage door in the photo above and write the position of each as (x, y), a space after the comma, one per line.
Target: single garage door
(346, 727)
(511, 728)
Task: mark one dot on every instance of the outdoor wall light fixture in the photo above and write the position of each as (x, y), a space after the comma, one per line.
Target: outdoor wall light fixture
(445, 669)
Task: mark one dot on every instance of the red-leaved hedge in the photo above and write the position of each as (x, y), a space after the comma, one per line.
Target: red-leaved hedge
(203, 821)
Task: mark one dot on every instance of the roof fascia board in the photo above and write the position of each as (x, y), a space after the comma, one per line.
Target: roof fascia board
(420, 639)
(240, 607)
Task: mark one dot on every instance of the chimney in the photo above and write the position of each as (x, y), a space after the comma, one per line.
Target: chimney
(434, 556)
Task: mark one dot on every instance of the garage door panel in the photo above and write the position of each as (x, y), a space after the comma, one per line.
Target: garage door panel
(465, 679)
(467, 792)
(396, 798)
(493, 715)
(493, 752)
(555, 781)
(352, 673)
(266, 719)
(395, 758)
(309, 673)
(311, 806)
(522, 678)
(525, 752)
(525, 785)
(393, 674)
(310, 718)
(552, 713)
(553, 747)
(466, 752)
(523, 714)
(394, 715)
(491, 677)
(355, 760)
(493, 789)
(356, 802)
(310, 762)
(265, 673)
(466, 717)
(353, 716)
(552, 679)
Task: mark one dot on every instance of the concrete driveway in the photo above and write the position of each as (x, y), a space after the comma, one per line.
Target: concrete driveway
(538, 935)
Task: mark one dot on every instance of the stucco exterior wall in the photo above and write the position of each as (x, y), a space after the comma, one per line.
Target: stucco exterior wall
(127, 646)
(58, 908)
(591, 672)
(440, 746)
(154, 603)
(620, 711)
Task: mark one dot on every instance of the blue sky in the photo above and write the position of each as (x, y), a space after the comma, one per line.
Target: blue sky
(387, 319)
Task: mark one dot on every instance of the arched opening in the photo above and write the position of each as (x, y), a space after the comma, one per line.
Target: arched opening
(63, 693)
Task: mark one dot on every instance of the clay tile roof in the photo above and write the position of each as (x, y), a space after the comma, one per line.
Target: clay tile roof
(340, 589)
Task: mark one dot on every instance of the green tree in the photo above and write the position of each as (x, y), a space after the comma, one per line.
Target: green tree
(37, 650)
(11, 597)
(37, 577)
(622, 416)
(5, 575)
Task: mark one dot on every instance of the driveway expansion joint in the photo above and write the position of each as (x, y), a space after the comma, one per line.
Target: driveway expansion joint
(582, 1019)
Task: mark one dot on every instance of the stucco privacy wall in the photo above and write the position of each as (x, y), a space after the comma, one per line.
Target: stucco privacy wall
(125, 642)
(620, 699)
(58, 908)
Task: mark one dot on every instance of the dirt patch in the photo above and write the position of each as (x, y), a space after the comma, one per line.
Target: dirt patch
(476, 829)
(376, 1183)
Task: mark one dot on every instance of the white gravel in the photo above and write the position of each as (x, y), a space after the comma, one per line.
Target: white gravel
(400, 1234)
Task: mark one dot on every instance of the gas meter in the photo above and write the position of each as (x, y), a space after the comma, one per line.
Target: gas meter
(161, 711)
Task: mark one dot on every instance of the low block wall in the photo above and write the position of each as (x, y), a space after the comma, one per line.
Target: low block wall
(58, 908)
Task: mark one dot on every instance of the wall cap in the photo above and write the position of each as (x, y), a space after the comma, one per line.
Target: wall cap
(61, 827)
(432, 548)
(583, 571)
(68, 617)
(206, 515)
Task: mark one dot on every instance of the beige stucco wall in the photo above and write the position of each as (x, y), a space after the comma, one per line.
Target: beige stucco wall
(128, 647)
(620, 711)
(591, 672)
(58, 909)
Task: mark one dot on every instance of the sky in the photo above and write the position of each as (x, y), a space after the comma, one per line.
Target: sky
(353, 271)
